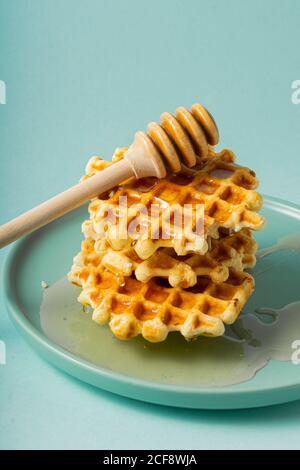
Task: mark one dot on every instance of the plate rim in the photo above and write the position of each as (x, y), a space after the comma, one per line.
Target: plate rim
(31, 333)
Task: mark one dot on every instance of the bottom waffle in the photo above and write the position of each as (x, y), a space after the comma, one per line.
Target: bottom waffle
(154, 308)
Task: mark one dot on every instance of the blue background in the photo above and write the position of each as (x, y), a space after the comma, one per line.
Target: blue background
(81, 78)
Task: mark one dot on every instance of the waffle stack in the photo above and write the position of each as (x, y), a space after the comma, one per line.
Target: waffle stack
(144, 275)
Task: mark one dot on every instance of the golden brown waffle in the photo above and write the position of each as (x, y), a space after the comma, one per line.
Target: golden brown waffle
(229, 251)
(154, 308)
(226, 191)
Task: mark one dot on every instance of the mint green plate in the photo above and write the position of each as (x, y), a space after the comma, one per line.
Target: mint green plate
(174, 373)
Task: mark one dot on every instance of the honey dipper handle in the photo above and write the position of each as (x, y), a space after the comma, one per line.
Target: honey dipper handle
(65, 202)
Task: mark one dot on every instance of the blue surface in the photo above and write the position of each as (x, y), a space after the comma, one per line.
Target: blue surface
(81, 78)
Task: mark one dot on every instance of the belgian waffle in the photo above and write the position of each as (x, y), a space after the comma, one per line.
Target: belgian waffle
(229, 251)
(225, 189)
(154, 308)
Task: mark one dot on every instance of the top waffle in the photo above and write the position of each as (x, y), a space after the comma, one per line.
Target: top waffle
(225, 190)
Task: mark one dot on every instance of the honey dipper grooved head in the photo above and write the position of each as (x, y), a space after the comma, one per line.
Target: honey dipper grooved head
(175, 141)
(177, 133)
(207, 122)
(192, 127)
(158, 135)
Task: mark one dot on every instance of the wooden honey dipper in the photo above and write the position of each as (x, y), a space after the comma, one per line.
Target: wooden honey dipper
(166, 147)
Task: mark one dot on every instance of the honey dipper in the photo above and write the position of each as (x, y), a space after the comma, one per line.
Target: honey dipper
(165, 148)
